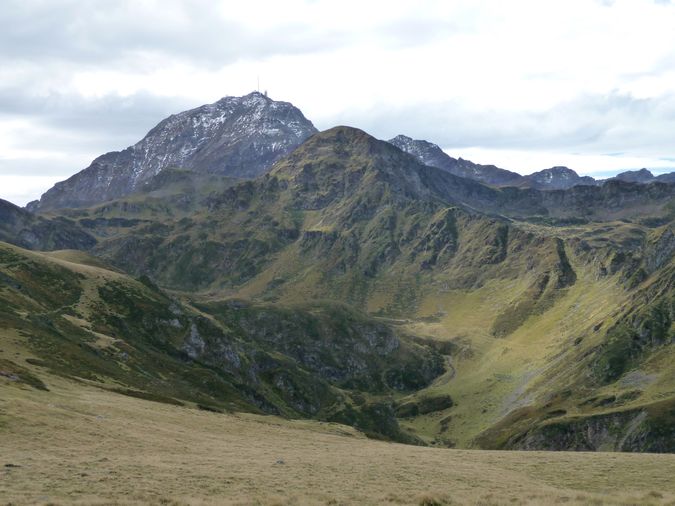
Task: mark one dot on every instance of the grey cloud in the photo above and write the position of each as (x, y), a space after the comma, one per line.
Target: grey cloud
(77, 129)
(42, 167)
(602, 124)
(610, 3)
(591, 124)
(122, 32)
(70, 121)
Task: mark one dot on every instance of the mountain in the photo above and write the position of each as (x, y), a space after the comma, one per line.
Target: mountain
(552, 309)
(644, 176)
(557, 178)
(636, 176)
(336, 192)
(432, 155)
(22, 228)
(353, 282)
(236, 136)
(668, 177)
(323, 361)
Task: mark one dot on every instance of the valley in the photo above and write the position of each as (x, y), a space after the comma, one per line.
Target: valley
(340, 306)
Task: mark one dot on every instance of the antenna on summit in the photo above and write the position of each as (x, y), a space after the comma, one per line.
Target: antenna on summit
(258, 88)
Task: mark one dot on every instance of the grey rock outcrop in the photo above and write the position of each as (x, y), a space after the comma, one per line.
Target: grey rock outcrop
(236, 136)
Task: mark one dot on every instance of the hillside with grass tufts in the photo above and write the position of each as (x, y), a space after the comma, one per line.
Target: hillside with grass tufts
(67, 314)
(352, 283)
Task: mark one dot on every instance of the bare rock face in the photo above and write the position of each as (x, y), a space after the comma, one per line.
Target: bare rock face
(237, 136)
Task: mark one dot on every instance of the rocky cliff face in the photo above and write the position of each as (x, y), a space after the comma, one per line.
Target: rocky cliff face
(236, 136)
(647, 429)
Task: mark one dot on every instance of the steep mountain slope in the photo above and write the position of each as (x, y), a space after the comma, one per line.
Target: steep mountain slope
(68, 313)
(546, 309)
(22, 228)
(582, 369)
(528, 316)
(236, 136)
(346, 201)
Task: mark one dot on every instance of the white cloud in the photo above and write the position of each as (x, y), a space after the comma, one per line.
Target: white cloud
(22, 189)
(528, 161)
(575, 79)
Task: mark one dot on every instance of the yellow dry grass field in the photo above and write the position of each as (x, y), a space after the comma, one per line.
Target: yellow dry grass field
(79, 444)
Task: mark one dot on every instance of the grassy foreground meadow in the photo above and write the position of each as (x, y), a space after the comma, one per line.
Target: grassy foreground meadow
(79, 444)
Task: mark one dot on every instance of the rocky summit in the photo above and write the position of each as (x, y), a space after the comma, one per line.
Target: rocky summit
(236, 136)
(557, 178)
(644, 176)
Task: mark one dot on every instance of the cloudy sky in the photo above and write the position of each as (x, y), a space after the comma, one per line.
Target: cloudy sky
(523, 84)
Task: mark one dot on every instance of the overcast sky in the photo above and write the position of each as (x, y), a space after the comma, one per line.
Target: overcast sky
(523, 84)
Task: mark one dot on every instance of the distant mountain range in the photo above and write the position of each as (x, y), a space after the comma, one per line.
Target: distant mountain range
(242, 137)
(555, 178)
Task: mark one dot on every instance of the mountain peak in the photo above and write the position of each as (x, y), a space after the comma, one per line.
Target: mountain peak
(557, 178)
(400, 138)
(343, 160)
(340, 139)
(558, 171)
(431, 154)
(635, 176)
(344, 133)
(561, 169)
(253, 99)
(343, 142)
(236, 136)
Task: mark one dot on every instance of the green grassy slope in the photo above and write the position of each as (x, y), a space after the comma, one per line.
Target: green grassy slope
(65, 313)
(551, 310)
(78, 444)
